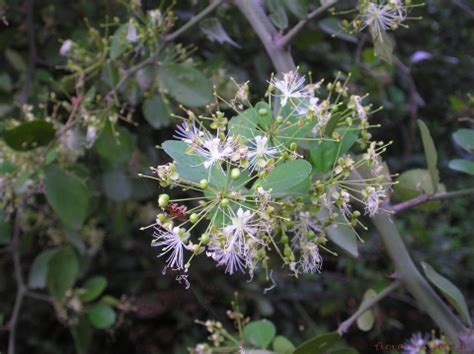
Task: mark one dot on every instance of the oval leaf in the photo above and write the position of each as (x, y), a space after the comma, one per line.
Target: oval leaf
(156, 112)
(430, 153)
(282, 345)
(465, 139)
(63, 268)
(39, 269)
(186, 84)
(449, 290)
(259, 333)
(461, 165)
(29, 135)
(102, 316)
(67, 195)
(319, 344)
(366, 321)
(93, 287)
(115, 144)
(285, 176)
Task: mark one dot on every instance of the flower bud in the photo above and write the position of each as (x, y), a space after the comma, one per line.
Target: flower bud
(193, 218)
(203, 183)
(163, 200)
(235, 173)
(225, 202)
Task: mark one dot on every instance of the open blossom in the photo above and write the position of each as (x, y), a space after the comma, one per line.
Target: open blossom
(66, 47)
(241, 224)
(259, 152)
(232, 257)
(290, 86)
(215, 151)
(172, 241)
(356, 104)
(375, 196)
(189, 133)
(382, 17)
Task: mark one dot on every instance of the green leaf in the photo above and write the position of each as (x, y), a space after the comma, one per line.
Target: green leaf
(186, 84)
(319, 344)
(39, 269)
(5, 229)
(190, 166)
(366, 321)
(7, 168)
(259, 333)
(465, 139)
(67, 195)
(5, 82)
(299, 8)
(383, 46)
(430, 153)
(449, 290)
(63, 269)
(117, 185)
(115, 144)
(245, 124)
(16, 60)
(461, 165)
(332, 26)
(277, 13)
(82, 334)
(342, 235)
(285, 176)
(119, 43)
(414, 182)
(282, 345)
(102, 316)
(324, 154)
(93, 288)
(29, 135)
(156, 112)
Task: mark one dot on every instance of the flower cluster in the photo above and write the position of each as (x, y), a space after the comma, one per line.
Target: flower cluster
(275, 179)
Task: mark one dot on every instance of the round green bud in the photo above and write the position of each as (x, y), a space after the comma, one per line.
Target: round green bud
(310, 235)
(279, 120)
(196, 248)
(235, 173)
(284, 239)
(293, 146)
(287, 251)
(161, 217)
(260, 253)
(204, 239)
(204, 183)
(262, 111)
(356, 213)
(225, 202)
(194, 218)
(163, 200)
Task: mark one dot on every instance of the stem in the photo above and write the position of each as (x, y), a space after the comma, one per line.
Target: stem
(366, 305)
(426, 197)
(194, 20)
(268, 34)
(20, 283)
(288, 37)
(407, 272)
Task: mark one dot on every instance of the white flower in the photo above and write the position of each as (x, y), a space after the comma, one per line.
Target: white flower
(231, 257)
(132, 35)
(381, 17)
(374, 199)
(241, 224)
(311, 260)
(188, 133)
(215, 151)
(173, 242)
(291, 86)
(356, 104)
(66, 47)
(155, 16)
(416, 345)
(259, 152)
(91, 135)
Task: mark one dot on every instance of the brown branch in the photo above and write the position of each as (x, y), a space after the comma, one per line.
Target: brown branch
(366, 305)
(288, 37)
(194, 20)
(20, 283)
(427, 197)
(25, 93)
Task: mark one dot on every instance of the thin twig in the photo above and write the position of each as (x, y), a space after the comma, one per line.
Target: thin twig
(288, 37)
(20, 283)
(76, 101)
(427, 197)
(25, 92)
(194, 20)
(366, 305)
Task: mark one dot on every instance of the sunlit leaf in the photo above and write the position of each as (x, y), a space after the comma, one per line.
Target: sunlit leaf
(285, 176)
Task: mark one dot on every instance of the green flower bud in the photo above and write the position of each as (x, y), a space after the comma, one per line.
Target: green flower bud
(194, 218)
(161, 217)
(284, 238)
(263, 111)
(204, 239)
(279, 120)
(287, 251)
(235, 173)
(225, 202)
(293, 146)
(163, 200)
(203, 183)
